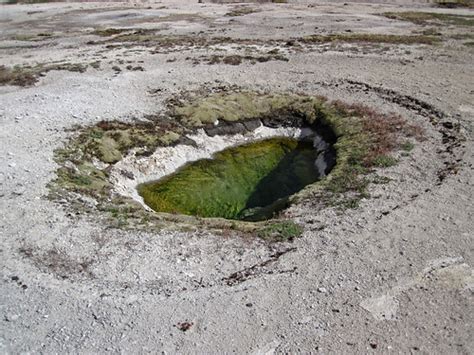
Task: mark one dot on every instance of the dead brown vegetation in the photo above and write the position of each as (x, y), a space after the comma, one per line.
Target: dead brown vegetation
(237, 59)
(58, 262)
(385, 129)
(28, 75)
(241, 11)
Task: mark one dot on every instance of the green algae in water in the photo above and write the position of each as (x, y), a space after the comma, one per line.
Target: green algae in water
(248, 182)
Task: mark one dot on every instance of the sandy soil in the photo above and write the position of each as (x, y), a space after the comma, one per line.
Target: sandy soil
(394, 275)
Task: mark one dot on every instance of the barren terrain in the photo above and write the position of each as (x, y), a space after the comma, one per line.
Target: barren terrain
(393, 273)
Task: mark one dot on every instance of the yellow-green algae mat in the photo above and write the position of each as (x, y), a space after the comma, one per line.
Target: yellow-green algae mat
(249, 182)
(362, 135)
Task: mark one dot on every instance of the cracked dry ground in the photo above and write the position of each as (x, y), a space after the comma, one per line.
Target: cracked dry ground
(394, 274)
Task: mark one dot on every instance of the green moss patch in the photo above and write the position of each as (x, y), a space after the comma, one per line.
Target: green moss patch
(385, 161)
(105, 142)
(280, 231)
(242, 106)
(407, 146)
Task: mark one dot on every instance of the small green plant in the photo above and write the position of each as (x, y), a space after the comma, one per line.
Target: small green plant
(407, 146)
(377, 179)
(122, 221)
(95, 64)
(82, 180)
(280, 231)
(385, 161)
(431, 32)
(351, 203)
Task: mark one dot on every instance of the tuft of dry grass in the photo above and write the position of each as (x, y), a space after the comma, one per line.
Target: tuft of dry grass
(432, 18)
(237, 59)
(107, 32)
(28, 37)
(371, 38)
(241, 11)
(232, 59)
(17, 76)
(150, 38)
(455, 3)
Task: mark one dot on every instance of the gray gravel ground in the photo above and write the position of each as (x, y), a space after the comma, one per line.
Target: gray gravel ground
(394, 275)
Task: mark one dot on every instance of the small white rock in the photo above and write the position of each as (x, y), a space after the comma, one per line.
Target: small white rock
(12, 318)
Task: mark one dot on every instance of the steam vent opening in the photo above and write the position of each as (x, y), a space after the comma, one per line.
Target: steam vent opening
(251, 182)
